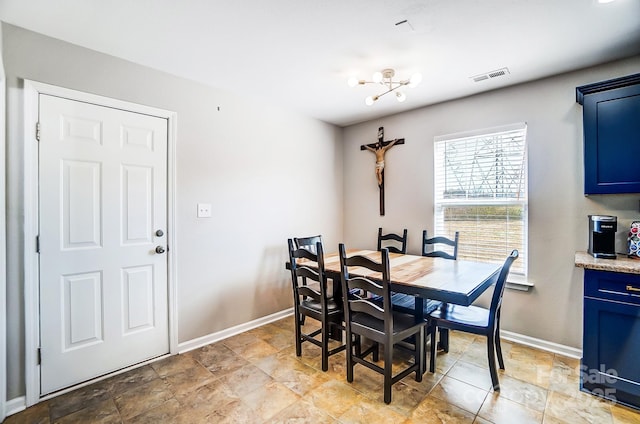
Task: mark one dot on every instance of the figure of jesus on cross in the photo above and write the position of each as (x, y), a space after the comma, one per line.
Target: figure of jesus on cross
(379, 149)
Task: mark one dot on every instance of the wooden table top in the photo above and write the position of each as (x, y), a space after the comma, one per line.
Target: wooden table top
(452, 281)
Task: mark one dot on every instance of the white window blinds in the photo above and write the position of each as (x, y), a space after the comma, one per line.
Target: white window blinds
(481, 191)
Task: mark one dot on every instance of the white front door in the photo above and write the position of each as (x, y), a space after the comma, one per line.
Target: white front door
(102, 215)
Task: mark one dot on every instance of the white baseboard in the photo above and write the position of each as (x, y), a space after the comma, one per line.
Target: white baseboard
(569, 351)
(226, 333)
(15, 405)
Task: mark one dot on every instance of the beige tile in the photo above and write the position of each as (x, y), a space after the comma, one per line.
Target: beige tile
(444, 361)
(334, 397)
(132, 379)
(624, 415)
(368, 412)
(218, 359)
(500, 410)
(297, 376)
(208, 397)
(581, 408)
(471, 374)
(277, 337)
(476, 353)
(460, 394)
(164, 413)
(302, 413)
(268, 400)
(173, 365)
(104, 412)
(142, 398)
(429, 381)
(480, 420)
(255, 349)
(81, 398)
(245, 380)
(529, 364)
(404, 398)
(436, 411)
(231, 413)
(189, 379)
(527, 394)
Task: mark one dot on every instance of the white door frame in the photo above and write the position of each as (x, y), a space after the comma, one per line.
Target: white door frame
(32, 90)
(3, 244)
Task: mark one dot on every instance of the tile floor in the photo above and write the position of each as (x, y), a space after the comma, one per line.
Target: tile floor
(255, 377)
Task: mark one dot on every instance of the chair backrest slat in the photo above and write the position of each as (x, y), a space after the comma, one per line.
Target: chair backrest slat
(392, 241)
(428, 246)
(308, 243)
(300, 272)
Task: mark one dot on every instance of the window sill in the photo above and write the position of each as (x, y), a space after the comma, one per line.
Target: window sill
(519, 282)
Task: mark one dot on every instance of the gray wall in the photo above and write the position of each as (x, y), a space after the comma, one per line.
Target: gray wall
(558, 209)
(240, 159)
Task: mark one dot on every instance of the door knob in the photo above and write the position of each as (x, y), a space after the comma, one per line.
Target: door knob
(159, 249)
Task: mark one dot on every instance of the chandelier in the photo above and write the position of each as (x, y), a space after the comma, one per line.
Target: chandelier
(385, 78)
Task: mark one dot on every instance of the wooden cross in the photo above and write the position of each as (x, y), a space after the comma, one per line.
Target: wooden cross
(379, 149)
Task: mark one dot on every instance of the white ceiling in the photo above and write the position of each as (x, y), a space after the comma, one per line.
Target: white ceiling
(300, 53)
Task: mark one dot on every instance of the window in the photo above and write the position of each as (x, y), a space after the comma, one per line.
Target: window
(481, 191)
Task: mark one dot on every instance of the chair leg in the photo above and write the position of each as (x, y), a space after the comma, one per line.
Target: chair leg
(491, 357)
(444, 339)
(388, 362)
(432, 357)
(298, 333)
(349, 352)
(419, 353)
(325, 344)
(498, 347)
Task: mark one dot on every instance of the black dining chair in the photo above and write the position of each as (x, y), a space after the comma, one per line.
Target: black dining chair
(308, 243)
(394, 242)
(313, 301)
(476, 320)
(429, 246)
(377, 321)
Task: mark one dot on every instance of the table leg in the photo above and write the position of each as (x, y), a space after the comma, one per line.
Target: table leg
(334, 332)
(419, 316)
(443, 343)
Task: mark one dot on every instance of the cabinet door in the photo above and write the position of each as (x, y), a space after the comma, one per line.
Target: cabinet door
(612, 141)
(611, 348)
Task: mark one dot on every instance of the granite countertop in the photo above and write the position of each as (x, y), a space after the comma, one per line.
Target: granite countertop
(622, 263)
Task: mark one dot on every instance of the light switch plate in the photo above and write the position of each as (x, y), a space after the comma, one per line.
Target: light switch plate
(204, 210)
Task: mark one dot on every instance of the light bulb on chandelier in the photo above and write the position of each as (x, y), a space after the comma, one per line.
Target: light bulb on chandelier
(385, 78)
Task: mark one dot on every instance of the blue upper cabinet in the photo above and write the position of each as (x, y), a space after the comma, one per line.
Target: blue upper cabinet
(611, 115)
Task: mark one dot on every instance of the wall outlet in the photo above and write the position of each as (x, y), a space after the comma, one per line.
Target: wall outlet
(204, 210)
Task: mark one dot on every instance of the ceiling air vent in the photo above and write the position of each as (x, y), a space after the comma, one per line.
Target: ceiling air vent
(491, 74)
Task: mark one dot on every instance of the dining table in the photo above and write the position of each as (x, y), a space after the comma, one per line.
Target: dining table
(458, 282)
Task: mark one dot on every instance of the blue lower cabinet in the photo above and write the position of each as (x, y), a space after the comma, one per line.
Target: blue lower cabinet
(611, 336)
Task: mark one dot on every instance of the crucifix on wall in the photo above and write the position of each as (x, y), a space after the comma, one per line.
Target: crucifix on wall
(379, 149)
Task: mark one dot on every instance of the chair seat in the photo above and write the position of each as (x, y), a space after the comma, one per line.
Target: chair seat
(469, 316)
(332, 305)
(401, 322)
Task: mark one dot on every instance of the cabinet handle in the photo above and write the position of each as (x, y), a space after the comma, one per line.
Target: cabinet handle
(633, 289)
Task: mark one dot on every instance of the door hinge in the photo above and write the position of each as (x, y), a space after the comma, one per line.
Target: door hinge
(38, 131)
(39, 355)
(38, 244)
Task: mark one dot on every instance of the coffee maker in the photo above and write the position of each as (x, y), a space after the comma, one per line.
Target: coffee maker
(602, 236)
